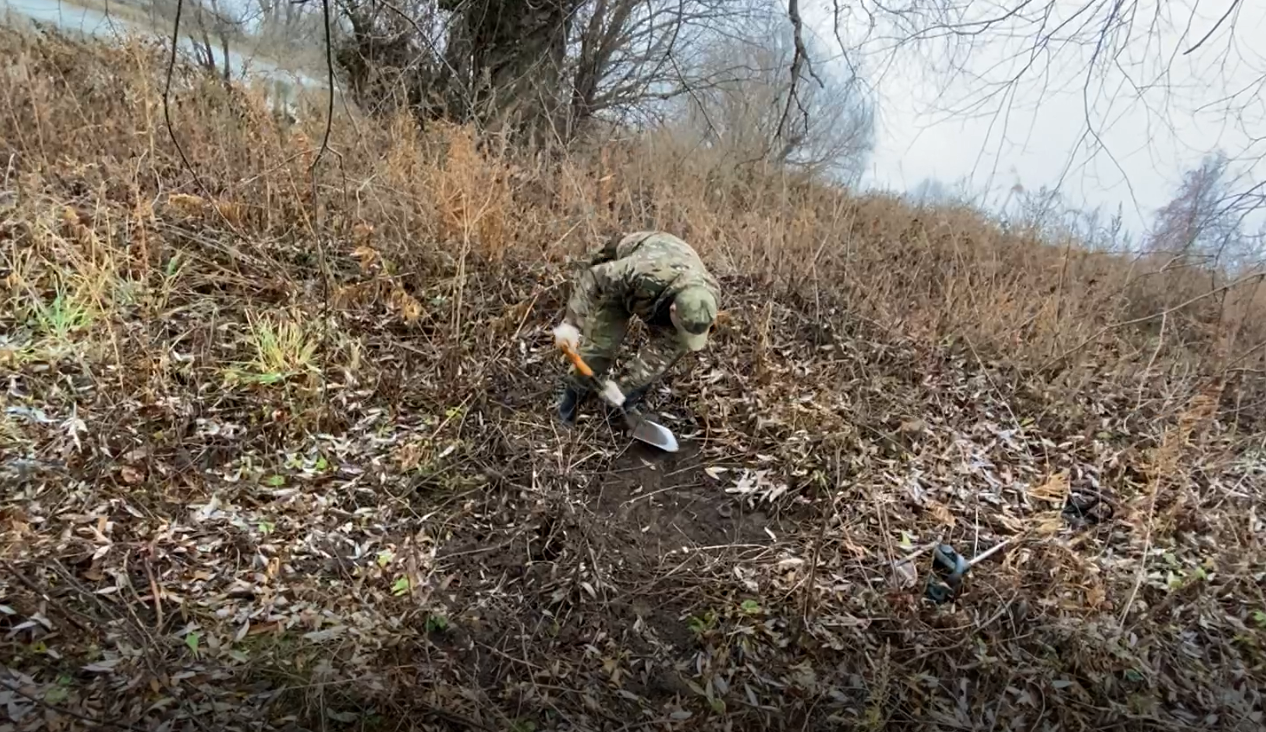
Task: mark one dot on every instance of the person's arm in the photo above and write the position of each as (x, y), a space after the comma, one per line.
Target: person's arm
(595, 286)
(595, 281)
(606, 252)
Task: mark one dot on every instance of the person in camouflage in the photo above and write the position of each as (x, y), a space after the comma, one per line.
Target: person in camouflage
(658, 278)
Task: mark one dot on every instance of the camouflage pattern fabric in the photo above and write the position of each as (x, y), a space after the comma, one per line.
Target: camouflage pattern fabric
(636, 275)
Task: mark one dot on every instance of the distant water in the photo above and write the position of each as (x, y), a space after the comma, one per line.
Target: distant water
(73, 18)
(65, 16)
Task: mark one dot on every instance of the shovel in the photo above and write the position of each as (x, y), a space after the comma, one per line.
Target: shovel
(643, 429)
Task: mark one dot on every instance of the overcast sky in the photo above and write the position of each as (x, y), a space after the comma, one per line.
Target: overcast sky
(1038, 136)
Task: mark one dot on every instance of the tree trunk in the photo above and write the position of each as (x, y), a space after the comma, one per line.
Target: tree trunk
(207, 55)
(224, 46)
(516, 50)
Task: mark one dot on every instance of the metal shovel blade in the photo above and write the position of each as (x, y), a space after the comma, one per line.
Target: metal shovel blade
(643, 429)
(653, 434)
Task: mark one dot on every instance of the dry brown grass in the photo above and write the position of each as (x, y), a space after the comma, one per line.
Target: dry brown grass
(272, 459)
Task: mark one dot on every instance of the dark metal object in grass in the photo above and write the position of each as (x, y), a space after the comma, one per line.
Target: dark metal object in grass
(949, 569)
(1088, 510)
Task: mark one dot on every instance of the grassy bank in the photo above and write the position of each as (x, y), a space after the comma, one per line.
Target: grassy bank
(277, 447)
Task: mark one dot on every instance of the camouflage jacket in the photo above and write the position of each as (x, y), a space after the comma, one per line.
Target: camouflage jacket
(642, 273)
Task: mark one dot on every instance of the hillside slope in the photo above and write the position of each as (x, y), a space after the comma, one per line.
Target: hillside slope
(277, 465)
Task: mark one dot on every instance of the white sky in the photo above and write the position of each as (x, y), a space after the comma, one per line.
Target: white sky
(1149, 139)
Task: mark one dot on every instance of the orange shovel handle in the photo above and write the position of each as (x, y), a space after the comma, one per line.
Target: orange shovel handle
(578, 362)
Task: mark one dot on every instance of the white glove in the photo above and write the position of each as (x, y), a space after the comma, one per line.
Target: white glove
(612, 394)
(567, 335)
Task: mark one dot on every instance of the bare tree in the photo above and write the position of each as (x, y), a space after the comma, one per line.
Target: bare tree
(543, 68)
(512, 53)
(632, 53)
(743, 113)
(280, 16)
(1199, 226)
(217, 26)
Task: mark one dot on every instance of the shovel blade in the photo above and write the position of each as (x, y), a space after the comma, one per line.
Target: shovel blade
(658, 435)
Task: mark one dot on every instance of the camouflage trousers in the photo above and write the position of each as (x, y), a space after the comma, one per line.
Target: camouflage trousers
(603, 330)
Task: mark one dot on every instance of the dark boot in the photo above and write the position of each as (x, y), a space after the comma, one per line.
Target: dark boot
(569, 403)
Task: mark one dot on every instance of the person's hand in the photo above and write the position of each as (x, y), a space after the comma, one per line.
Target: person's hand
(567, 336)
(612, 394)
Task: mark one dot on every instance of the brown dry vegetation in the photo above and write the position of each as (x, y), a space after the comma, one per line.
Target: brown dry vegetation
(273, 466)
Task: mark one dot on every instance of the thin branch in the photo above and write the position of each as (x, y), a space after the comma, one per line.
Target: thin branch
(798, 61)
(171, 70)
(1234, 4)
(329, 70)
